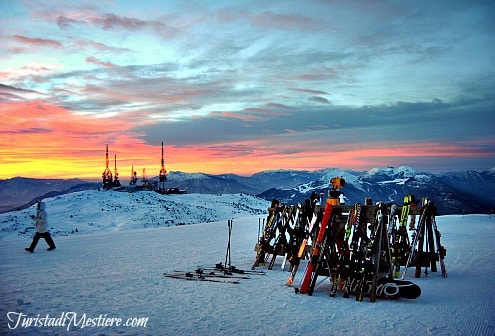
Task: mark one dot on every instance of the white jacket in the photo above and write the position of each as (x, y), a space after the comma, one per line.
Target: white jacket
(41, 219)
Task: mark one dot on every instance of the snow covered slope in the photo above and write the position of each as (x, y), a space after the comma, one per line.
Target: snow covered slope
(98, 211)
(117, 273)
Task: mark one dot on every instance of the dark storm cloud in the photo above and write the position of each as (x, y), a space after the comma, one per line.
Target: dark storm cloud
(398, 123)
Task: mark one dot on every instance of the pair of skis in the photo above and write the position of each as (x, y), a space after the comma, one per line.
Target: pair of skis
(219, 273)
(284, 225)
(311, 274)
(232, 270)
(209, 276)
(274, 215)
(296, 260)
(418, 236)
(442, 252)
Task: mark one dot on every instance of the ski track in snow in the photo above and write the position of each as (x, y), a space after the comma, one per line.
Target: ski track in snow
(116, 269)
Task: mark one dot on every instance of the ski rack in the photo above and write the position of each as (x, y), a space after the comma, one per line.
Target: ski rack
(282, 220)
(426, 250)
(369, 210)
(359, 277)
(365, 266)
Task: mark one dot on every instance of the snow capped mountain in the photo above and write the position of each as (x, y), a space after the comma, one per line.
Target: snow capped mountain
(391, 172)
(348, 175)
(454, 192)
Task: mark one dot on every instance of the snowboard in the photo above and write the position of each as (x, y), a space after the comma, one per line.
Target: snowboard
(388, 289)
(395, 289)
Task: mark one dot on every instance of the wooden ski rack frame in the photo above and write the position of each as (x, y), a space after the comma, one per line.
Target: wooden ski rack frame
(367, 210)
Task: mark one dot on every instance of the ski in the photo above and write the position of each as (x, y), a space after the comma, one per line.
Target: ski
(308, 275)
(380, 220)
(293, 233)
(360, 260)
(354, 216)
(268, 233)
(296, 260)
(192, 277)
(327, 253)
(211, 274)
(417, 235)
(442, 252)
(393, 218)
(221, 267)
(282, 227)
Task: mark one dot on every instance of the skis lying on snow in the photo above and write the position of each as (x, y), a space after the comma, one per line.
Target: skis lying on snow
(213, 274)
(232, 269)
(219, 273)
(191, 276)
(202, 275)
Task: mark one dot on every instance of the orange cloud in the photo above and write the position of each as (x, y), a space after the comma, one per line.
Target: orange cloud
(41, 140)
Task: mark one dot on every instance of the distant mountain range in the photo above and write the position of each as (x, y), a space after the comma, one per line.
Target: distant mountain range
(453, 192)
(21, 192)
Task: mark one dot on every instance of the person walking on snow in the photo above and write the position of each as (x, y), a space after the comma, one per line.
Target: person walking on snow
(41, 229)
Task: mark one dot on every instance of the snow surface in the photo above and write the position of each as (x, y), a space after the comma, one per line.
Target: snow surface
(94, 211)
(113, 268)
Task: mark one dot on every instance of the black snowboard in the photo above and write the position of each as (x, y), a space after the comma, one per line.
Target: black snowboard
(399, 289)
(388, 288)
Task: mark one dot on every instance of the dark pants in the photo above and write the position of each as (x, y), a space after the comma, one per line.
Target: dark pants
(45, 235)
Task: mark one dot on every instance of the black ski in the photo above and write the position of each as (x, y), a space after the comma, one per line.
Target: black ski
(268, 234)
(380, 222)
(296, 259)
(442, 252)
(193, 277)
(211, 274)
(418, 236)
(232, 269)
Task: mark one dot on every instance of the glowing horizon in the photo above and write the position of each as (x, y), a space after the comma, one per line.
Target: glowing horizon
(237, 88)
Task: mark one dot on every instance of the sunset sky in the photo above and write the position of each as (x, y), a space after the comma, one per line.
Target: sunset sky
(245, 86)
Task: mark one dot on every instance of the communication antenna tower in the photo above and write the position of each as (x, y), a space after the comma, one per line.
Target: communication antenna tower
(107, 174)
(116, 181)
(133, 176)
(163, 172)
